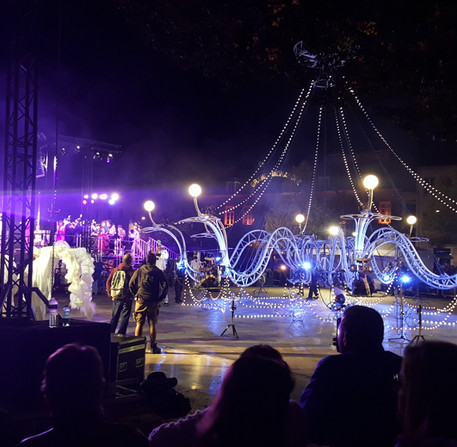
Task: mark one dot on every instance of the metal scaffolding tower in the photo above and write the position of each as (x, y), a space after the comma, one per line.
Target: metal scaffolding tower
(19, 170)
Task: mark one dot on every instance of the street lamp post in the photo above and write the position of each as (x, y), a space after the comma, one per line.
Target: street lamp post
(411, 221)
(149, 206)
(300, 218)
(370, 182)
(195, 190)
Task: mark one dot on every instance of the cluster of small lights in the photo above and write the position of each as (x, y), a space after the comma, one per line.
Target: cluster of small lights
(374, 301)
(92, 198)
(433, 310)
(351, 149)
(450, 307)
(433, 326)
(346, 164)
(314, 175)
(438, 195)
(273, 148)
(426, 324)
(353, 158)
(284, 307)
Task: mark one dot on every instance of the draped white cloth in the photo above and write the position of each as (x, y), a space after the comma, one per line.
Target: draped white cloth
(80, 267)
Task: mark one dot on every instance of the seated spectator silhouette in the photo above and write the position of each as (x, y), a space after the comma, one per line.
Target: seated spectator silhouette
(72, 386)
(251, 408)
(428, 395)
(351, 397)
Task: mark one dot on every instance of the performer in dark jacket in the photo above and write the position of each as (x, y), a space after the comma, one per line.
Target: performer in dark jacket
(122, 307)
(351, 399)
(149, 287)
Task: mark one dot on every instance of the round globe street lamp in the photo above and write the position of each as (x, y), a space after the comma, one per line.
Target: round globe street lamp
(149, 206)
(411, 221)
(299, 218)
(195, 190)
(370, 182)
(333, 230)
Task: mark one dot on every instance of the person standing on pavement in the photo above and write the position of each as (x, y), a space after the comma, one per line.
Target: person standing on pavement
(122, 297)
(149, 287)
(161, 263)
(179, 276)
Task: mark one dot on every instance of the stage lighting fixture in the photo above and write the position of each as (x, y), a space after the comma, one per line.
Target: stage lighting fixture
(84, 202)
(86, 196)
(307, 265)
(115, 196)
(112, 202)
(405, 278)
(94, 196)
(103, 196)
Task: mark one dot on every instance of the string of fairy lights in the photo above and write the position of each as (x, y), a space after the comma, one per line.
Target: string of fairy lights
(314, 174)
(259, 191)
(291, 304)
(445, 200)
(277, 165)
(345, 161)
(270, 152)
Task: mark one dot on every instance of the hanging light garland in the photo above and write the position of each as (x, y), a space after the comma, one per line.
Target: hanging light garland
(436, 194)
(272, 149)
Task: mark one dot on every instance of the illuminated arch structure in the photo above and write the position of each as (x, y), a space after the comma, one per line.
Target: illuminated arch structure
(340, 259)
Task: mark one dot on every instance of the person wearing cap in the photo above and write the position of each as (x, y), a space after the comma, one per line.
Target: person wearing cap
(122, 308)
(149, 286)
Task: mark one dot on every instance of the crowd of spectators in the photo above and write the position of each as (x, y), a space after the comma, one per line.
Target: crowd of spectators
(362, 396)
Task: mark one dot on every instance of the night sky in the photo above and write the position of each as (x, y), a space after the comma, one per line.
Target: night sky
(175, 125)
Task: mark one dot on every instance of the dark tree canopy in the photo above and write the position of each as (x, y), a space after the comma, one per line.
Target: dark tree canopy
(398, 50)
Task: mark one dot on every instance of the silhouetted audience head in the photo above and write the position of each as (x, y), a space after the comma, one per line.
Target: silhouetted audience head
(267, 352)
(361, 329)
(73, 381)
(127, 258)
(152, 258)
(428, 392)
(251, 407)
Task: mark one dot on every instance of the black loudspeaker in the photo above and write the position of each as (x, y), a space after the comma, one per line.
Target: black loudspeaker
(24, 347)
(127, 360)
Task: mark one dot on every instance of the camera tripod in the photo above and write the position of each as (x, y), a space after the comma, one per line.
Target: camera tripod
(400, 318)
(231, 324)
(419, 337)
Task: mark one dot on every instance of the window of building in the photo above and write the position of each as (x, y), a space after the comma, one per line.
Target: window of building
(229, 216)
(248, 218)
(385, 208)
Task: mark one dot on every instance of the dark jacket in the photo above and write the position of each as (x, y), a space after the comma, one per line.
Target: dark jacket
(351, 400)
(128, 269)
(140, 286)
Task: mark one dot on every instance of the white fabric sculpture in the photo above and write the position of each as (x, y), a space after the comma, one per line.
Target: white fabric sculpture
(80, 267)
